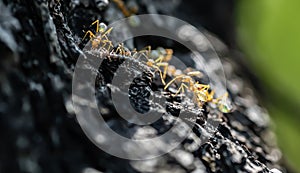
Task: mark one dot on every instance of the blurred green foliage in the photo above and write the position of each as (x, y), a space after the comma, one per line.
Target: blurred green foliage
(269, 33)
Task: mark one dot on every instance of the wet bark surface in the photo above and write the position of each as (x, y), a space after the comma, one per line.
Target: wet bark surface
(40, 42)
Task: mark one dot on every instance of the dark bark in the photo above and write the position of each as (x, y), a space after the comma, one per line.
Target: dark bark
(40, 42)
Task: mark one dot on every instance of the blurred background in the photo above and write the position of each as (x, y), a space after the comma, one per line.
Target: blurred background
(269, 34)
(263, 34)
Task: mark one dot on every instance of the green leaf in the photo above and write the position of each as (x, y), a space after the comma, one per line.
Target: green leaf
(269, 33)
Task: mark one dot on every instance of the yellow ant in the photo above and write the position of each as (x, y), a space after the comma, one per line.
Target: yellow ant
(162, 54)
(200, 91)
(146, 50)
(157, 65)
(160, 61)
(101, 28)
(187, 82)
(202, 94)
(121, 50)
(162, 57)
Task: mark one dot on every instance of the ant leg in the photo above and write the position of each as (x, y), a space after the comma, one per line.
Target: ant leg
(118, 49)
(147, 50)
(210, 96)
(203, 86)
(123, 52)
(104, 37)
(134, 52)
(122, 7)
(181, 88)
(160, 74)
(173, 80)
(91, 34)
(224, 96)
(97, 25)
(108, 31)
(141, 53)
(165, 67)
(165, 70)
(104, 42)
(165, 58)
(110, 45)
(195, 73)
(159, 59)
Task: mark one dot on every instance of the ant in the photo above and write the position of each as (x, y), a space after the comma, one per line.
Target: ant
(201, 91)
(156, 59)
(122, 50)
(187, 82)
(203, 95)
(162, 56)
(101, 28)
